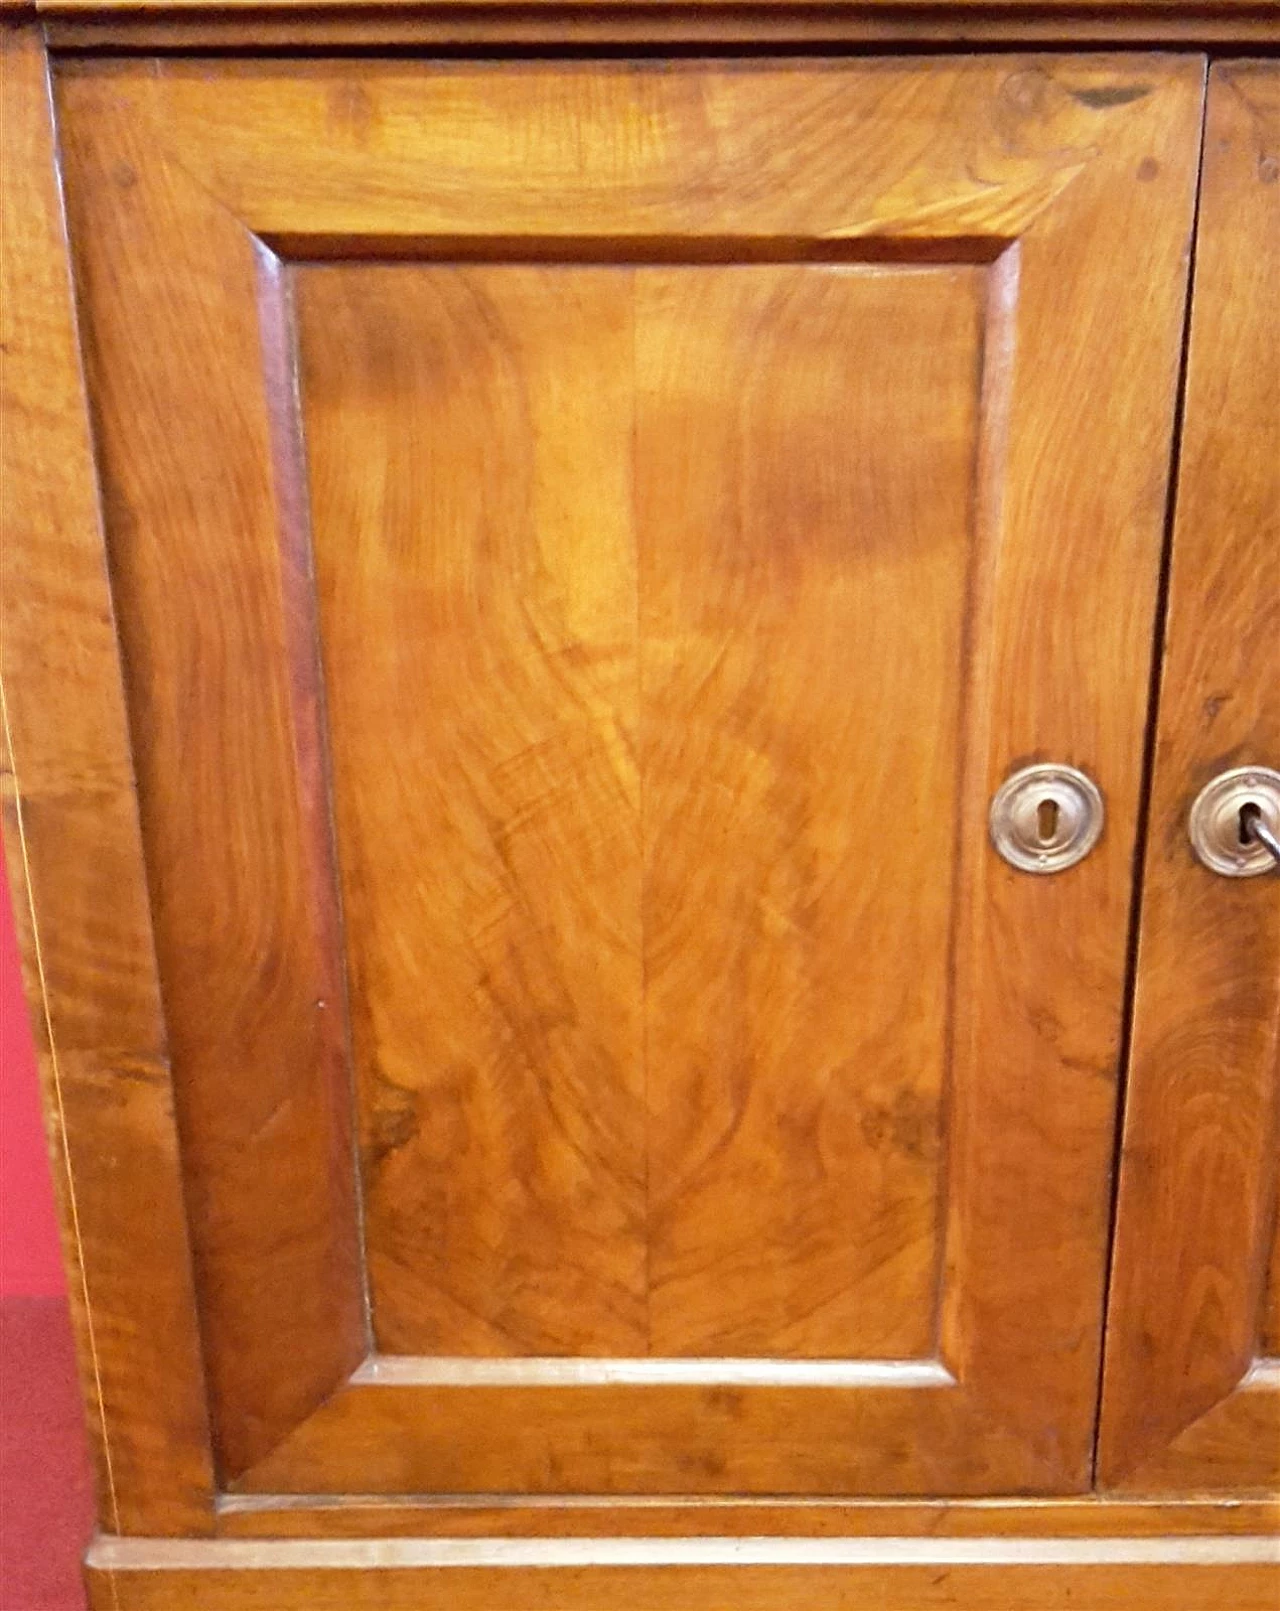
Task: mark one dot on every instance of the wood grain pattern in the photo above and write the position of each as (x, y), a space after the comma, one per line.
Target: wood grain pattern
(75, 863)
(757, 1574)
(478, 610)
(491, 1516)
(1070, 516)
(804, 446)
(321, 158)
(205, 561)
(629, 1438)
(1232, 1448)
(1198, 1176)
(701, 1127)
(687, 163)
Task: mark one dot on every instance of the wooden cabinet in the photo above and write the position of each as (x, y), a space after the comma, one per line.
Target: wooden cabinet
(527, 575)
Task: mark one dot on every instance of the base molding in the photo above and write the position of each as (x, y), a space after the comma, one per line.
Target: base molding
(1198, 1573)
(427, 1516)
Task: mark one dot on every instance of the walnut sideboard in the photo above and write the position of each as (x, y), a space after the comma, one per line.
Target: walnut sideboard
(641, 685)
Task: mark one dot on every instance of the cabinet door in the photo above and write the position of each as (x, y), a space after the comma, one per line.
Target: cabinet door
(1192, 1390)
(587, 540)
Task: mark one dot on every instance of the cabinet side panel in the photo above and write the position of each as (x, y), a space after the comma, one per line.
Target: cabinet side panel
(72, 845)
(1197, 1186)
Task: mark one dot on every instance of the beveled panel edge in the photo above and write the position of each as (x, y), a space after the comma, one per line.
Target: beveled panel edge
(254, 305)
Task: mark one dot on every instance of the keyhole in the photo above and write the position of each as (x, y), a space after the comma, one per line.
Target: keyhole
(1047, 820)
(1250, 812)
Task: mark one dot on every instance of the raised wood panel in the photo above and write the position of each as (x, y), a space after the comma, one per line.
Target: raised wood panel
(672, 1106)
(804, 450)
(209, 563)
(75, 864)
(824, 187)
(478, 612)
(1183, 1403)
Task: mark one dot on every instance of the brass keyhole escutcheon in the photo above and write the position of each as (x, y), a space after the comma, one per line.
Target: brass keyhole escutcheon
(1046, 818)
(1235, 822)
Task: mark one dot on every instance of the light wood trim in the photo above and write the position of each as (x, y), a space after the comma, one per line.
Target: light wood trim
(496, 1515)
(1007, 1574)
(75, 859)
(411, 1371)
(446, 1554)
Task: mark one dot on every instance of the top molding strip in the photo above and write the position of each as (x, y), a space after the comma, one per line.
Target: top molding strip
(958, 10)
(246, 25)
(588, 27)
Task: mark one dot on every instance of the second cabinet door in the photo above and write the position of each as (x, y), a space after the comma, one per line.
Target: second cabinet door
(1192, 1390)
(587, 541)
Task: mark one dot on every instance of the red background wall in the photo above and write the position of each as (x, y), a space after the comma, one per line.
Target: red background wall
(29, 1258)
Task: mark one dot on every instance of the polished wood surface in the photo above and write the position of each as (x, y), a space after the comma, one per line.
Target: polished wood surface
(633, 487)
(245, 24)
(1061, 8)
(619, 658)
(804, 553)
(330, 159)
(1194, 1574)
(366, 1516)
(207, 546)
(545, 504)
(1190, 1315)
(485, 792)
(75, 863)
(601, 851)
(585, 27)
